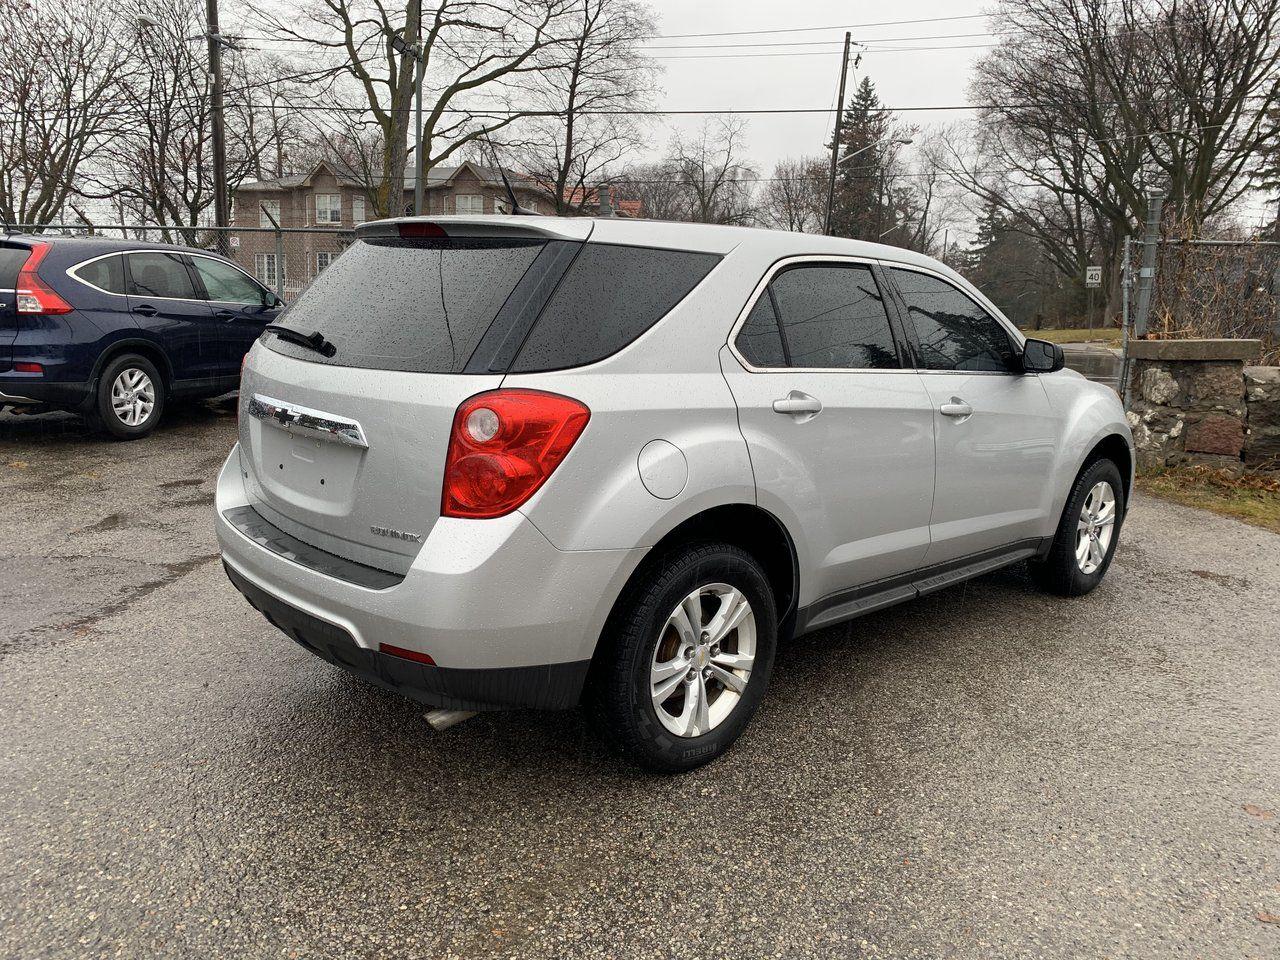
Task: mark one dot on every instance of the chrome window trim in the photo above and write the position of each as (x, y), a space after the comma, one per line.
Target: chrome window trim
(760, 287)
(71, 272)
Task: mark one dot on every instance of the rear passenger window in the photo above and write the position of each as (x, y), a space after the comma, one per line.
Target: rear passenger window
(105, 274)
(832, 317)
(760, 339)
(609, 296)
(160, 274)
(952, 331)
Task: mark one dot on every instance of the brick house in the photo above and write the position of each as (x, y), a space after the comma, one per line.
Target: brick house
(330, 200)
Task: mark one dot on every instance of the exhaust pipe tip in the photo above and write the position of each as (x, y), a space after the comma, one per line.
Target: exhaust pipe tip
(444, 719)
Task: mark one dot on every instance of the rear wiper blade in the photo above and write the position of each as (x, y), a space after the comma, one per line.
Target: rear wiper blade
(312, 341)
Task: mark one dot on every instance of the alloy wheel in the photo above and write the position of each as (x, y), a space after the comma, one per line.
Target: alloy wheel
(133, 396)
(1095, 527)
(703, 660)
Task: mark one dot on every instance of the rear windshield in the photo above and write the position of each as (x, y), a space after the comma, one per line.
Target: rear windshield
(610, 296)
(417, 305)
(11, 261)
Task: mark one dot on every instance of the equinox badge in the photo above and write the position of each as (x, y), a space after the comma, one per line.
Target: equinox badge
(396, 534)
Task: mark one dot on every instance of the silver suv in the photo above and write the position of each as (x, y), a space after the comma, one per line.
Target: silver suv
(501, 462)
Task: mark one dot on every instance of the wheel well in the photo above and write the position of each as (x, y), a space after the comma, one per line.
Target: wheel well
(1115, 449)
(744, 525)
(148, 350)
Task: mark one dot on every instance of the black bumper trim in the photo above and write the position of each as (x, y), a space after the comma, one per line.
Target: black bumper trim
(64, 394)
(553, 686)
(270, 537)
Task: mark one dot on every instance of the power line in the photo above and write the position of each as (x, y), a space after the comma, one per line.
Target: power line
(838, 26)
(825, 53)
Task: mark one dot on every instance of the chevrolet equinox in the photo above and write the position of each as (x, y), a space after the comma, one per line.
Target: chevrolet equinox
(495, 462)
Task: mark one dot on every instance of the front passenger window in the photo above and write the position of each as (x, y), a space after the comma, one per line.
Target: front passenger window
(952, 331)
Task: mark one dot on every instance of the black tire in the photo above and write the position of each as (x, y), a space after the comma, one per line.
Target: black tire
(619, 697)
(104, 415)
(1059, 572)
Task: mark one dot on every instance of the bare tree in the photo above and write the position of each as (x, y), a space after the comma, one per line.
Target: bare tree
(159, 165)
(1103, 99)
(712, 170)
(795, 196)
(60, 71)
(593, 93)
(472, 51)
(659, 189)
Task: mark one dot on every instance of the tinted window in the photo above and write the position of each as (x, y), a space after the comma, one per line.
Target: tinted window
(834, 316)
(415, 305)
(954, 333)
(760, 340)
(609, 296)
(159, 274)
(11, 261)
(224, 282)
(105, 274)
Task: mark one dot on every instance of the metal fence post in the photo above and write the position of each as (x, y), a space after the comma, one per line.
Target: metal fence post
(279, 251)
(1147, 273)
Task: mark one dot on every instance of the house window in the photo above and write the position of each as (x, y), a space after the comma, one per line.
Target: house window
(272, 206)
(265, 268)
(530, 205)
(323, 259)
(328, 208)
(468, 203)
(357, 210)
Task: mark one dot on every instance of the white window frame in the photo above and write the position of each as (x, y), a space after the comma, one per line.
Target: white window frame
(358, 214)
(336, 199)
(267, 277)
(272, 204)
(329, 254)
(472, 199)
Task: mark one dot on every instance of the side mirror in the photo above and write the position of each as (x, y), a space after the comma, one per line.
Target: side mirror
(1041, 356)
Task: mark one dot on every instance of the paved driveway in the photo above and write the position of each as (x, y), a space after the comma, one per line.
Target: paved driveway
(986, 772)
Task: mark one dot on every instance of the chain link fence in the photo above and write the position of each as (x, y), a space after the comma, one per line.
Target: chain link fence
(1218, 288)
(284, 260)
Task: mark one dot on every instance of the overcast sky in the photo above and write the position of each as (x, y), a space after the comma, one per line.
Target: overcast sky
(804, 73)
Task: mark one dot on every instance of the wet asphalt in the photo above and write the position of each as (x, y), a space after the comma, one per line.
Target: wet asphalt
(984, 772)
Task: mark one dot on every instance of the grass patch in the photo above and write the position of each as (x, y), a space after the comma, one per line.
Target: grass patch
(1253, 498)
(1108, 335)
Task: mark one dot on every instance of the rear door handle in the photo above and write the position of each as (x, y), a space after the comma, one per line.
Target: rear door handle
(956, 408)
(224, 314)
(799, 405)
(145, 310)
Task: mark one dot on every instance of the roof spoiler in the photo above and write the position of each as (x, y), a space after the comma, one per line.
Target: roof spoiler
(485, 225)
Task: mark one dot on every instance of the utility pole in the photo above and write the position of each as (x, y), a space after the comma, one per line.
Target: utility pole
(1147, 272)
(413, 48)
(835, 137)
(221, 209)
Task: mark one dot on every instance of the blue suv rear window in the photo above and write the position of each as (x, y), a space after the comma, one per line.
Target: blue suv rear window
(11, 261)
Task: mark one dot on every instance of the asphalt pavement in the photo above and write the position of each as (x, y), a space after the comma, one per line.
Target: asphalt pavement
(987, 772)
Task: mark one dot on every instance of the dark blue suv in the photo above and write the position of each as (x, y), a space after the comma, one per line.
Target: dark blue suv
(113, 328)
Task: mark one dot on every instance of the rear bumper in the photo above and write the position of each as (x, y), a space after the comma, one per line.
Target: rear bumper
(67, 394)
(550, 687)
(507, 618)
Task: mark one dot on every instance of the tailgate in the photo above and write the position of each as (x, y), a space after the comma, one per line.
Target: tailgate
(351, 461)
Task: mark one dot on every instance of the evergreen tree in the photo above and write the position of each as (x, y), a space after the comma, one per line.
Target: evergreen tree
(860, 205)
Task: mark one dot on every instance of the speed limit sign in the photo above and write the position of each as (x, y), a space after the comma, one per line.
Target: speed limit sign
(1093, 276)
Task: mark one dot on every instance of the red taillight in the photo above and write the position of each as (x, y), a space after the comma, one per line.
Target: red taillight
(404, 654)
(34, 295)
(26, 367)
(504, 445)
(417, 231)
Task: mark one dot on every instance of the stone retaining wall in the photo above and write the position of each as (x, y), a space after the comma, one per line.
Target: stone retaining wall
(1189, 404)
(1262, 396)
